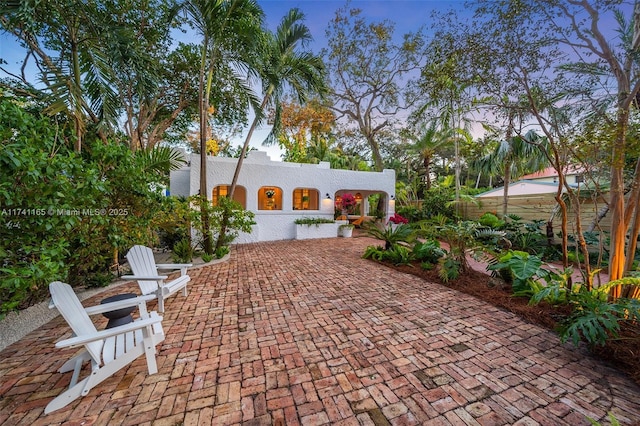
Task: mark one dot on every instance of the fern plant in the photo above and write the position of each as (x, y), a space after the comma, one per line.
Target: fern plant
(373, 252)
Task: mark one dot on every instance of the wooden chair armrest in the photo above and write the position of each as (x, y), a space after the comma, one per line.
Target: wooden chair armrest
(125, 303)
(103, 334)
(173, 265)
(143, 278)
(182, 266)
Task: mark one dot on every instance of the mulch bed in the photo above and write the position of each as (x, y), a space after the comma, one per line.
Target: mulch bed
(622, 354)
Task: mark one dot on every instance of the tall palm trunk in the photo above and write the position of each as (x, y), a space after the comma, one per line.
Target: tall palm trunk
(224, 222)
(245, 145)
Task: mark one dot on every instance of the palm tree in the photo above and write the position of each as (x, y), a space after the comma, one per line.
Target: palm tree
(72, 55)
(514, 157)
(426, 144)
(282, 66)
(231, 33)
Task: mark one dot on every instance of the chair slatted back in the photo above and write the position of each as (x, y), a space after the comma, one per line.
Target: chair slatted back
(69, 306)
(143, 264)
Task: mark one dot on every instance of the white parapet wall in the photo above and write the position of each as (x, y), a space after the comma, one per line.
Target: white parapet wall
(258, 172)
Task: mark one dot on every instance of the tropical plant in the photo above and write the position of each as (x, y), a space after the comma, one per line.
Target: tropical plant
(428, 251)
(462, 240)
(522, 270)
(396, 255)
(390, 236)
(426, 142)
(595, 320)
(491, 220)
(182, 251)
(450, 267)
(437, 201)
(374, 252)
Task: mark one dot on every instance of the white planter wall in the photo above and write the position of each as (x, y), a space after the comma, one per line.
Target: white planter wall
(321, 230)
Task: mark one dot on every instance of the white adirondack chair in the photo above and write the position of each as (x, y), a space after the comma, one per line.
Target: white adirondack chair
(107, 350)
(145, 271)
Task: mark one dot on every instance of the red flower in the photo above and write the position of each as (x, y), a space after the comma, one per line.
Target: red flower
(348, 200)
(397, 219)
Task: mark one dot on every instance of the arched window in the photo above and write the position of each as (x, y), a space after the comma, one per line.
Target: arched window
(269, 198)
(239, 195)
(306, 199)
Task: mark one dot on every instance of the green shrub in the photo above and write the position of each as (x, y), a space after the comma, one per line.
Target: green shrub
(182, 251)
(373, 252)
(449, 268)
(438, 201)
(312, 221)
(398, 255)
(523, 269)
(222, 252)
(491, 220)
(428, 251)
(427, 266)
(412, 213)
(206, 258)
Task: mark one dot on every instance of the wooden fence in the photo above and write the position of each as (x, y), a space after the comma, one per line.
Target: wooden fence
(536, 207)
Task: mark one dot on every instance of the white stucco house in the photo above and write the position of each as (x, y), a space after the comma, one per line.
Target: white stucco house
(280, 192)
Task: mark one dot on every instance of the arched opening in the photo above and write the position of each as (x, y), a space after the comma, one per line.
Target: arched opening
(239, 195)
(269, 198)
(306, 199)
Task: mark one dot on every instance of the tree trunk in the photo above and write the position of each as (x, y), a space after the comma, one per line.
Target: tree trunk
(505, 195)
(618, 228)
(224, 222)
(427, 176)
(375, 152)
(203, 103)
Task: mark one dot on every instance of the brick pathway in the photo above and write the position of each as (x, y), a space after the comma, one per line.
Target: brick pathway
(306, 332)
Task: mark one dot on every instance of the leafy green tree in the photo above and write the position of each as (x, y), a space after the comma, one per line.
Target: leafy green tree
(597, 63)
(366, 67)
(65, 216)
(39, 178)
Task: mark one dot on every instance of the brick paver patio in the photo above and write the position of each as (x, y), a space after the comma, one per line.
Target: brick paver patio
(306, 332)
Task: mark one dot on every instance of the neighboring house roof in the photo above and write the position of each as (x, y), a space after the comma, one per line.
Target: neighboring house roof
(551, 172)
(522, 187)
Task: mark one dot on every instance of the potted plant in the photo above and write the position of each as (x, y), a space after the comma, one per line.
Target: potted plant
(345, 230)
